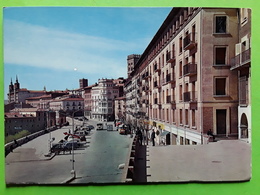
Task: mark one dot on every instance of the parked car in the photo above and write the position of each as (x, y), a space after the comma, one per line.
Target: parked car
(99, 126)
(57, 148)
(90, 127)
(81, 133)
(70, 144)
(122, 129)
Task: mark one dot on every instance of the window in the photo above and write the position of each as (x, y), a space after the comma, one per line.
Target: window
(180, 45)
(220, 86)
(180, 69)
(180, 116)
(186, 117)
(193, 118)
(221, 24)
(180, 93)
(220, 55)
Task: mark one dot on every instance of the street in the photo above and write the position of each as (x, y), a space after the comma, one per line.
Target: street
(96, 162)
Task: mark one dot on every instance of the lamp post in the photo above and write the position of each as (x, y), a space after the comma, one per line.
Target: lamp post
(73, 171)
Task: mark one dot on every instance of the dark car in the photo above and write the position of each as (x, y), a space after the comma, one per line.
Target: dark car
(58, 148)
(90, 127)
(64, 147)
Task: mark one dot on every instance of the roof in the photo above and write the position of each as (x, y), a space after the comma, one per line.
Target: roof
(17, 115)
(39, 97)
(73, 99)
(24, 110)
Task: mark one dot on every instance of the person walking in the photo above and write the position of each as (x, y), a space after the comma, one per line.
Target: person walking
(153, 137)
(139, 136)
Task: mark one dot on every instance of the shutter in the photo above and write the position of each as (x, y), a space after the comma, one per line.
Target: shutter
(238, 48)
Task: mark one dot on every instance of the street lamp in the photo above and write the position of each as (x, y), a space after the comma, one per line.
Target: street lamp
(73, 171)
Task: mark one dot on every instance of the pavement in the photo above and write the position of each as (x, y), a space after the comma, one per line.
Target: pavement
(221, 161)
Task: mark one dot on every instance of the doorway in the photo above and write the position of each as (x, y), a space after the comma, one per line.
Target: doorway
(221, 121)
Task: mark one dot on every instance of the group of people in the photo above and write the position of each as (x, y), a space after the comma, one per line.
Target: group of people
(141, 137)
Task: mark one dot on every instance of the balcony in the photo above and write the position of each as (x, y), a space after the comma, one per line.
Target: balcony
(191, 98)
(189, 41)
(170, 58)
(167, 79)
(241, 60)
(190, 69)
(157, 68)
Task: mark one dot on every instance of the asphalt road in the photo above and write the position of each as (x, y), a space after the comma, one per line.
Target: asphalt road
(96, 162)
(100, 162)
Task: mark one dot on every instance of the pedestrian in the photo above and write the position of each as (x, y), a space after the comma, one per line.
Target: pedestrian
(153, 137)
(210, 133)
(139, 136)
(15, 142)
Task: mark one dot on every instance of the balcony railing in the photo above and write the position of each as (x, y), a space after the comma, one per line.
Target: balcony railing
(190, 96)
(189, 41)
(242, 59)
(170, 57)
(246, 56)
(190, 69)
(167, 79)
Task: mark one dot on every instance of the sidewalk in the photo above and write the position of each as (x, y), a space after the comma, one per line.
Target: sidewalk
(227, 160)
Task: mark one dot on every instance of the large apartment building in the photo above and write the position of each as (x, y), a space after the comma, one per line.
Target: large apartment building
(183, 84)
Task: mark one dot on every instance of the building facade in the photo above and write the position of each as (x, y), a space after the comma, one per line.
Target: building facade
(103, 96)
(30, 119)
(182, 84)
(120, 109)
(241, 64)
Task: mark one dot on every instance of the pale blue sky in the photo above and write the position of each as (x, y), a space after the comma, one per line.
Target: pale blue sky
(57, 46)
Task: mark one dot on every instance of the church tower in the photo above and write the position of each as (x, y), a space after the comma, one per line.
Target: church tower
(17, 84)
(11, 86)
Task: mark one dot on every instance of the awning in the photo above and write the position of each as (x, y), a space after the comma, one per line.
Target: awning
(164, 133)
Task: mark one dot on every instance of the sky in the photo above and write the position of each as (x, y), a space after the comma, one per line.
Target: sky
(54, 47)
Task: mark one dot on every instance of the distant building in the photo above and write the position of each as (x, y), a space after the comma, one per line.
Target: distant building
(131, 61)
(103, 96)
(17, 94)
(43, 101)
(120, 109)
(30, 119)
(83, 83)
(13, 105)
(88, 100)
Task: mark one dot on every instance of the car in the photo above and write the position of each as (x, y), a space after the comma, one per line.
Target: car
(90, 127)
(70, 145)
(73, 138)
(122, 129)
(81, 132)
(64, 147)
(99, 126)
(57, 148)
